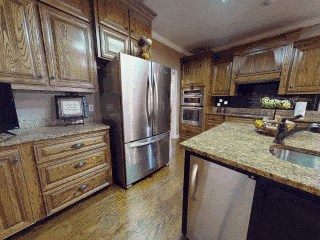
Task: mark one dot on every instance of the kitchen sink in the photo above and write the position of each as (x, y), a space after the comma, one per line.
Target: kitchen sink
(303, 159)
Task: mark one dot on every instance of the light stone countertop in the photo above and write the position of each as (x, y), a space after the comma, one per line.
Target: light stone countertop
(240, 146)
(45, 133)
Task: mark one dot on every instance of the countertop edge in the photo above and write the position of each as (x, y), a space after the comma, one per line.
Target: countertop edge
(73, 130)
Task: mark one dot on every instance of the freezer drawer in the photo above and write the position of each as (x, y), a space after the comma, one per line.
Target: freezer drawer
(219, 202)
(145, 156)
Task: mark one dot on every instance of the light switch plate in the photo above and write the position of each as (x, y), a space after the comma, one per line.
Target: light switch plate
(91, 107)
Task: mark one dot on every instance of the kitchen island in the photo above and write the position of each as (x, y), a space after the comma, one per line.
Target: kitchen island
(280, 199)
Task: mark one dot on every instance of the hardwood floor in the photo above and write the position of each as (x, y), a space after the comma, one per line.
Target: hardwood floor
(151, 209)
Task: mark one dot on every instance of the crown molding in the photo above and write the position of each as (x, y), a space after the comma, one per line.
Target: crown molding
(289, 28)
(170, 44)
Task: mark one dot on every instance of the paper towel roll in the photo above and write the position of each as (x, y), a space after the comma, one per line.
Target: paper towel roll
(300, 109)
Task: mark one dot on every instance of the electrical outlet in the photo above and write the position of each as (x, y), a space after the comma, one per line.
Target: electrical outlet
(91, 107)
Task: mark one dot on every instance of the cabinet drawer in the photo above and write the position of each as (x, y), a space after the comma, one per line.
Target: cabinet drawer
(68, 146)
(189, 131)
(209, 125)
(63, 170)
(213, 117)
(240, 120)
(67, 194)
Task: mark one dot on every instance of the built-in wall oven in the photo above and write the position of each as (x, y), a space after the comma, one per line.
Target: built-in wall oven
(192, 101)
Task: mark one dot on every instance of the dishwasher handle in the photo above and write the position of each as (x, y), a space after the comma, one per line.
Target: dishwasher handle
(194, 181)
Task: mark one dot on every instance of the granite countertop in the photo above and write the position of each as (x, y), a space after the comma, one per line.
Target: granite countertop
(254, 116)
(238, 145)
(239, 115)
(44, 133)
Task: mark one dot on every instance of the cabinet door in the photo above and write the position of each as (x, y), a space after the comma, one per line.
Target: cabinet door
(134, 48)
(15, 205)
(21, 53)
(187, 74)
(260, 66)
(114, 14)
(112, 43)
(139, 25)
(78, 8)
(305, 73)
(221, 79)
(69, 49)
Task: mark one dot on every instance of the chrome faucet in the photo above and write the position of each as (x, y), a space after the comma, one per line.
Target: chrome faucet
(283, 132)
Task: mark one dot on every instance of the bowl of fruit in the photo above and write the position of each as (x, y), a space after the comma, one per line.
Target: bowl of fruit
(270, 127)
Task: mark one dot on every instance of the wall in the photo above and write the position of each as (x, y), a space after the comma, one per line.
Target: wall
(166, 56)
(37, 108)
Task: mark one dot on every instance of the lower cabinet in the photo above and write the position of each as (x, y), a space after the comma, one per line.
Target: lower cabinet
(279, 213)
(188, 131)
(15, 206)
(64, 170)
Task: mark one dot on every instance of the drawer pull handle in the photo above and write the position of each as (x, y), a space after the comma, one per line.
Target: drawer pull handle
(80, 165)
(77, 145)
(83, 187)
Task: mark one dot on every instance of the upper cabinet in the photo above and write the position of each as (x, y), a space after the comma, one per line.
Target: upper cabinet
(119, 24)
(21, 54)
(305, 70)
(259, 66)
(69, 49)
(77, 8)
(221, 79)
(112, 43)
(114, 14)
(140, 25)
(196, 72)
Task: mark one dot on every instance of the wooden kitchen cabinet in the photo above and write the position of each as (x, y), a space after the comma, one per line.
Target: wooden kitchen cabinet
(305, 73)
(22, 59)
(260, 66)
(16, 212)
(196, 72)
(140, 25)
(188, 131)
(114, 14)
(69, 49)
(119, 24)
(113, 43)
(221, 79)
(77, 8)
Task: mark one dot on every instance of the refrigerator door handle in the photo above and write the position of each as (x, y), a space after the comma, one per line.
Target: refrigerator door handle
(148, 141)
(194, 181)
(156, 95)
(149, 102)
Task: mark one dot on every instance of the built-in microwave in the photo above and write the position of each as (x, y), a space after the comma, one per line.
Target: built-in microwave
(192, 115)
(192, 97)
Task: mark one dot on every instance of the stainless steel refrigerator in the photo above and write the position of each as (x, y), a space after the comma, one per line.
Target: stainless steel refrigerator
(135, 102)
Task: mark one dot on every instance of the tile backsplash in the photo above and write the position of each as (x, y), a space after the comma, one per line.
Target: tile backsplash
(37, 108)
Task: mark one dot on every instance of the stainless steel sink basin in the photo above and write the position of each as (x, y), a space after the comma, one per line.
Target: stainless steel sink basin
(303, 159)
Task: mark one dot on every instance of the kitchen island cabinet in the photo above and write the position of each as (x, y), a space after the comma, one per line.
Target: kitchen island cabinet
(286, 198)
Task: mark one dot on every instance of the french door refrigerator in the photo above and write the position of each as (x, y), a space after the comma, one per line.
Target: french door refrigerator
(135, 102)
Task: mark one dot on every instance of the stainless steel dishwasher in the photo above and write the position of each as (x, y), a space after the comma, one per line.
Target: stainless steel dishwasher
(219, 202)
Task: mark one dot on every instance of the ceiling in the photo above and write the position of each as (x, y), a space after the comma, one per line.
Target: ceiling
(212, 23)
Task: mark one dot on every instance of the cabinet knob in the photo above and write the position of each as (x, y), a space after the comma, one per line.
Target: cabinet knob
(126, 28)
(40, 76)
(52, 77)
(14, 159)
(80, 165)
(83, 187)
(77, 145)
